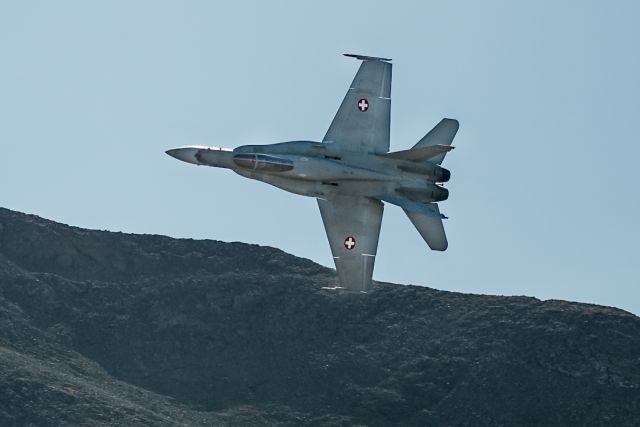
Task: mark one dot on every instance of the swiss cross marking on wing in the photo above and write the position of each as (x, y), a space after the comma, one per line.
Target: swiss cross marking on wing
(363, 105)
(349, 243)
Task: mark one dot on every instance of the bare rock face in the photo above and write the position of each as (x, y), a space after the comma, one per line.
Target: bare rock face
(101, 328)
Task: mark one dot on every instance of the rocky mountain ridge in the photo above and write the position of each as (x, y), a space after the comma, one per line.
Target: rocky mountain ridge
(103, 328)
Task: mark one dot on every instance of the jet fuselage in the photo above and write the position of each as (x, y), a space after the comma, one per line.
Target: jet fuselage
(313, 169)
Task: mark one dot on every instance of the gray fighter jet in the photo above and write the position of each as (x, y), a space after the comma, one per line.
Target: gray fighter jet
(351, 173)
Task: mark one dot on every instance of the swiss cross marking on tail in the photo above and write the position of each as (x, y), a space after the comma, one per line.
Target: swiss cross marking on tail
(349, 243)
(363, 105)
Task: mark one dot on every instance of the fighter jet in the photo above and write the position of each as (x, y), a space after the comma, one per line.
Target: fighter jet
(351, 173)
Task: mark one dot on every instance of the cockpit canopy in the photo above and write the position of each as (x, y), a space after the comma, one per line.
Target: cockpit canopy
(262, 162)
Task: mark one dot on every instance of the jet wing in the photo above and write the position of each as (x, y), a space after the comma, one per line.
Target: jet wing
(352, 224)
(362, 121)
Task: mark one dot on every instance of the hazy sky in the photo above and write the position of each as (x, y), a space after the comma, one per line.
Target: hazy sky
(544, 191)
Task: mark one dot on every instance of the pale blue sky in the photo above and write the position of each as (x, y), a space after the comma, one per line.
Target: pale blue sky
(544, 189)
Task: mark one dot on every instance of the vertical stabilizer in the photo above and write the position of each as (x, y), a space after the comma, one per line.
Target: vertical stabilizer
(442, 134)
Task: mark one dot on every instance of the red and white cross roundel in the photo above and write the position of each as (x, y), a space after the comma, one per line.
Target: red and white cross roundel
(349, 243)
(363, 105)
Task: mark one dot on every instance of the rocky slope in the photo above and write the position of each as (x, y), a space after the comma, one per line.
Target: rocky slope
(101, 328)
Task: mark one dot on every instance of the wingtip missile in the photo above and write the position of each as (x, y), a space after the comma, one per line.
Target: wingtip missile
(366, 58)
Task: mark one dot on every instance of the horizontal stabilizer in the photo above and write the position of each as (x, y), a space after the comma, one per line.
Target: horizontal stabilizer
(366, 58)
(430, 228)
(421, 153)
(427, 219)
(442, 134)
(430, 209)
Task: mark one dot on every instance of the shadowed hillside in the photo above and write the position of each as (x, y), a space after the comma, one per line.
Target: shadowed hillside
(102, 328)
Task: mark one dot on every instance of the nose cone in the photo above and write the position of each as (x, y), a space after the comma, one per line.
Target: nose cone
(186, 154)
